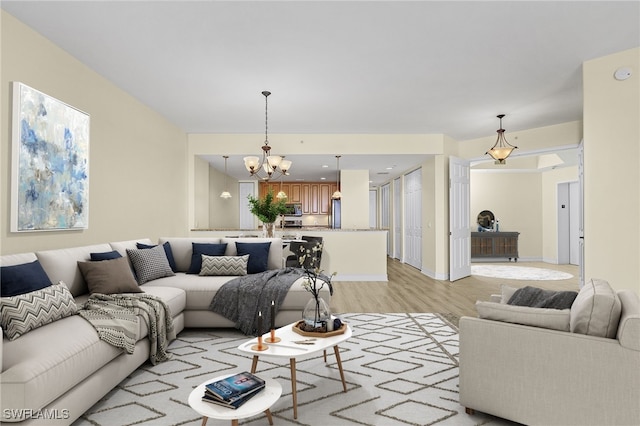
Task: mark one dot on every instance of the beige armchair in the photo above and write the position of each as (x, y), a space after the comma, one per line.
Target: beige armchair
(540, 376)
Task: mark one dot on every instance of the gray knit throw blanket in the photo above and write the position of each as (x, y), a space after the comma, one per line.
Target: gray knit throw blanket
(116, 318)
(240, 299)
(539, 298)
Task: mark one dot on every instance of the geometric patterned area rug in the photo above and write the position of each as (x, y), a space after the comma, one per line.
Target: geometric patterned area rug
(519, 272)
(400, 369)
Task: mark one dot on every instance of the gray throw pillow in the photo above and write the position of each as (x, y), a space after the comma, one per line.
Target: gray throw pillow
(150, 263)
(109, 276)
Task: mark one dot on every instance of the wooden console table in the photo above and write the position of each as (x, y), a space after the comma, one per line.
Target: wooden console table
(494, 244)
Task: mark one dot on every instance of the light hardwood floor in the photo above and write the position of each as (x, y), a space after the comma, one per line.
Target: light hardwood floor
(408, 290)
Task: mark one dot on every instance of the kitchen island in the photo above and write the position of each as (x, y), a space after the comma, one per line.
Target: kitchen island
(354, 254)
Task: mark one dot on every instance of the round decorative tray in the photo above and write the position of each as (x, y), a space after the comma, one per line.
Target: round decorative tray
(300, 331)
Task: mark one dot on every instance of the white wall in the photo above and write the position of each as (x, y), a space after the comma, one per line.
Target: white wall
(612, 170)
(137, 164)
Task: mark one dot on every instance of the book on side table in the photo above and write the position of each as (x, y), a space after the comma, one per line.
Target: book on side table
(233, 391)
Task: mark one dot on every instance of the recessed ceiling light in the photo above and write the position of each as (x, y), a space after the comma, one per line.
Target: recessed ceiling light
(324, 166)
(389, 168)
(323, 178)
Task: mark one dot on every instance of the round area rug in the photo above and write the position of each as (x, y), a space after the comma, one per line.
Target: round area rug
(519, 272)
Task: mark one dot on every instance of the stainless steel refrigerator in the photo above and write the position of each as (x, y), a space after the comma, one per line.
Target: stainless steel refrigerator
(334, 215)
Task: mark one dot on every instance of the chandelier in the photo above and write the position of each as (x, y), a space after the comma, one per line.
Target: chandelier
(501, 149)
(272, 165)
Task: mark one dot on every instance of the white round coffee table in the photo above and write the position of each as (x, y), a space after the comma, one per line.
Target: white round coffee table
(256, 405)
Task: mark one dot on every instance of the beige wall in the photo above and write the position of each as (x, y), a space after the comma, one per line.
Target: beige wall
(435, 217)
(515, 200)
(137, 162)
(223, 213)
(201, 193)
(354, 186)
(612, 172)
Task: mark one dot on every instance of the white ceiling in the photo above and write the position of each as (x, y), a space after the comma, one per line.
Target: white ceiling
(344, 66)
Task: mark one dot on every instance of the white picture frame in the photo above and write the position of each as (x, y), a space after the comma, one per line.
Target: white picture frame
(50, 163)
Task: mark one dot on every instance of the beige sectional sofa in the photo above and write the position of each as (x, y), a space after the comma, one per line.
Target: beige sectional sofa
(554, 374)
(54, 373)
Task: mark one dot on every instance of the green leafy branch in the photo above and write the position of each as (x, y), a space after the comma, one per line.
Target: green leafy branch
(267, 209)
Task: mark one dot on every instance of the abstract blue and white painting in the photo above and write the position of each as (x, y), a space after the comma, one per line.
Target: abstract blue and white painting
(50, 176)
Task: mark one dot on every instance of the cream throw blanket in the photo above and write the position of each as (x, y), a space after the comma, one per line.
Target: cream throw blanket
(116, 318)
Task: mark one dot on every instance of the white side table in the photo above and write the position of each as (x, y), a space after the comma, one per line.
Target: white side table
(288, 349)
(256, 405)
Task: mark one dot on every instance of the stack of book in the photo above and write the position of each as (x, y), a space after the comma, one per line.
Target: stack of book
(233, 391)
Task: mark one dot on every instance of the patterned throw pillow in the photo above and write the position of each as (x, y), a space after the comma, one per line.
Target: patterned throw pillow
(150, 264)
(25, 312)
(224, 265)
(167, 251)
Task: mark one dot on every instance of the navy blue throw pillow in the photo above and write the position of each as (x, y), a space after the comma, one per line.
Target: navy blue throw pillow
(258, 255)
(167, 250)
(204, 248)
(108, 255)
(21, 279)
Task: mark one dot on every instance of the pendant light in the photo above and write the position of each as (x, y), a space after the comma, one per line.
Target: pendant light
(272, 165)
(501, 149)
(281, 194)
(337, 195)
(225, 194)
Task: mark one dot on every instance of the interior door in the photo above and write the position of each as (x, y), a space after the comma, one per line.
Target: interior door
(459, 219)
(397, 218)
(373, 209)
(412, 252)
(385, 208)
(247, 219)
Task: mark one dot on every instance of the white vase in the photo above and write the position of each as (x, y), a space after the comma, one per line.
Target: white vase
(269, 230)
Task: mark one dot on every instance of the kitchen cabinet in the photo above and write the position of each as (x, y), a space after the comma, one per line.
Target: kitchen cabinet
(295, 193)
(325, 198)
(315, 197)
(305, 188)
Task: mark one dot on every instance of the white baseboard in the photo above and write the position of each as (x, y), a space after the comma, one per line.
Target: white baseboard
(349, 277)
(435, 276)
